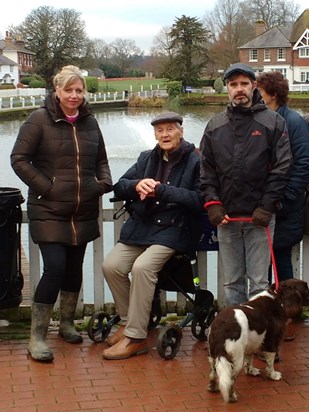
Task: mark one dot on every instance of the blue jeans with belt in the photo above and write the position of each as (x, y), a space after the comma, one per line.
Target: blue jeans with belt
(245, 255)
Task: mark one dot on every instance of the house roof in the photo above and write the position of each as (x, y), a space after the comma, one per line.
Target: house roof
(6, 61)
(274, 37)
(301, 24)
(280, 36)
(17, 46)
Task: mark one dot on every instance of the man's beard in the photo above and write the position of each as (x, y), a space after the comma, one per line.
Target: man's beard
(242, 100)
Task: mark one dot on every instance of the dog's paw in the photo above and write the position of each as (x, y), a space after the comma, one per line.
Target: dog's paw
(250, 370)
(213, 387)
(274, 375)
(233, 397)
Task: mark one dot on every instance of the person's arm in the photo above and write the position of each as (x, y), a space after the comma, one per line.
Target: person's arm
(209, 181)
(280, 166)
(24, 152)
(125, 188)
(103, 173)
(299, 139)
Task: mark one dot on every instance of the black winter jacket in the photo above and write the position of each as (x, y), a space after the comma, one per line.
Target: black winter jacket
(173, 215)
(246, 159)
(290, 218)
(66, 169)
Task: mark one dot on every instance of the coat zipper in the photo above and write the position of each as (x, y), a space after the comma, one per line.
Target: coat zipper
(78, 184)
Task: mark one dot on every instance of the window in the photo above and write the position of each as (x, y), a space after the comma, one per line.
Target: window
(282, 71)
(304, 52)
(281, 54)
(253, 56)
(266, 55)
(304, 77)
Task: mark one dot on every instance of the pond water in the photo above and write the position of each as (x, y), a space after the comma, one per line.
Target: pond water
(126, 133)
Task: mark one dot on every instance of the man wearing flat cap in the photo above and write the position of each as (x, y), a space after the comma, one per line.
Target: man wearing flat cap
(245, 166)
(162, 190)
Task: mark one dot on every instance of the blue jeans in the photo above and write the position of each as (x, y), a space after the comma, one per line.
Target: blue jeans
(245, 256)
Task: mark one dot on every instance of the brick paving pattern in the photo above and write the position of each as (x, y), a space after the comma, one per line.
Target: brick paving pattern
(80, 380)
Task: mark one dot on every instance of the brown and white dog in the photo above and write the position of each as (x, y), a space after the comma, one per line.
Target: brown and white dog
(239, 331)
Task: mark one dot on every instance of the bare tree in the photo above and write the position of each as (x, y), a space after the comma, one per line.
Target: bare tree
(230, 28)
(162, 43)
(101, 50)
(232, 24)
(124, 52)
(273, 13)
(57, 37)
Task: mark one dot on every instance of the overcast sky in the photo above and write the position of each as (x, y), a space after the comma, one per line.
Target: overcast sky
(139, 20)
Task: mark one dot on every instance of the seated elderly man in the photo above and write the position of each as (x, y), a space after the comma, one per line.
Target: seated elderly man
(163, 191)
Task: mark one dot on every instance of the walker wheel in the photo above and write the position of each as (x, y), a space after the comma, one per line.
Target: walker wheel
(200, 325)
(168, 342)
(98, 328)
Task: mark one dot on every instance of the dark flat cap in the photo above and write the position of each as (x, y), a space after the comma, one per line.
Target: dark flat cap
(171, 117)
(239, 68)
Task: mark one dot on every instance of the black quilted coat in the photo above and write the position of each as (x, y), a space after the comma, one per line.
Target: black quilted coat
(66, 170)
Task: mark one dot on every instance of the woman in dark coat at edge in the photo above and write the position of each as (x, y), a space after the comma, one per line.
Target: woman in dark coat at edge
(289, 228)
(60, 155)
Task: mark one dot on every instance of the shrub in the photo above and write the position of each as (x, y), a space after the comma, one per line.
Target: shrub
(34, 81)
(36, 84)
(26, 80)
(218, 85)
(174, 88)
(136, 101)
(92, 84)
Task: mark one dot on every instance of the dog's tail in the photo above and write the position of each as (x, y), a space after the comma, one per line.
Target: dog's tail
(224, 370)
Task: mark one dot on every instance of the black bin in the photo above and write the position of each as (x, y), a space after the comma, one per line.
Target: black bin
(11, 278)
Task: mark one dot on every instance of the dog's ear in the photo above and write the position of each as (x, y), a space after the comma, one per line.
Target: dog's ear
(291, 299)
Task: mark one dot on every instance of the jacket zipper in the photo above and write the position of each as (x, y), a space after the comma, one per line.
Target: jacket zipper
(78, 184)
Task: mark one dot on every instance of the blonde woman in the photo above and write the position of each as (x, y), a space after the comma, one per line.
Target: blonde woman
(60, 155)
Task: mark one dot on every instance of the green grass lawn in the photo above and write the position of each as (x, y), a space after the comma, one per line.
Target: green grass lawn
(134, 85)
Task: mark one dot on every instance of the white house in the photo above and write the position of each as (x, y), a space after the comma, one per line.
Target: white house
(9, 73)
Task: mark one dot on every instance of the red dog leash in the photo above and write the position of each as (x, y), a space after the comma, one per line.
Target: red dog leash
(270, 244)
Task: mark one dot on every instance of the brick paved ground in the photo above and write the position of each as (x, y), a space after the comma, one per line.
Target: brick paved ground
(79, 380)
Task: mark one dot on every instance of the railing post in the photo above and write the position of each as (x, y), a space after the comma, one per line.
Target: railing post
(98, 248)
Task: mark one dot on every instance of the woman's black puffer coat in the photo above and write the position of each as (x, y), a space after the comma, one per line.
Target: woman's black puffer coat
(66, 169)
(173, 217)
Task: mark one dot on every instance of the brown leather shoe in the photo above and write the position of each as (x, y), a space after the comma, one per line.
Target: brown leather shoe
(125, 348)
(111, 340)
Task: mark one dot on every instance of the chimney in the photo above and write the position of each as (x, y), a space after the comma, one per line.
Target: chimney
(260, 27)
(8, 38)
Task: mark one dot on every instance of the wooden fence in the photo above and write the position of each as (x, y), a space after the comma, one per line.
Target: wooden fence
(207, 268)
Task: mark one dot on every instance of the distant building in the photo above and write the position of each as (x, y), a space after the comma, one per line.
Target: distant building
(8, 71)
(14, 50)
(284, 49)
(96, 73)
